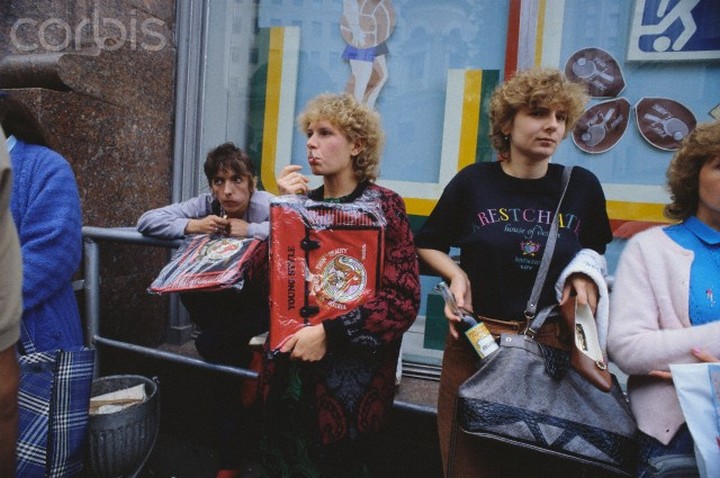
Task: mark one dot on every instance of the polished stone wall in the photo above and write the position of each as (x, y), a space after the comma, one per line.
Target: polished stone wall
(99, 74)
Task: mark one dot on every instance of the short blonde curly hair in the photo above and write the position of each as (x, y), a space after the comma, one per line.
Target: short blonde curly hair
(358, 122)
(536, 87)
(683, 173)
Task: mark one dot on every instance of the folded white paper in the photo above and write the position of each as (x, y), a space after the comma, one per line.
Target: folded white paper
(695, 392)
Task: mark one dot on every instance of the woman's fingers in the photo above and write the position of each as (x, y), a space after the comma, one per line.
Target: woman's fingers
(289, 345)
(214, 224)
(289, 169)
(585, 289)
(567, 290)
(703, 355)
(291, 181)
(661, 374)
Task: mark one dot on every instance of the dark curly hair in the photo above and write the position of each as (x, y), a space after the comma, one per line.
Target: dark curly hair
(536, 87)
(683, 173)
(229, 157)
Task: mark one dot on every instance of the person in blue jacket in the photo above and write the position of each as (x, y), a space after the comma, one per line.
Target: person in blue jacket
(45, 206)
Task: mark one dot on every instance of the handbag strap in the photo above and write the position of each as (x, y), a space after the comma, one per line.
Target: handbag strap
(535, 322)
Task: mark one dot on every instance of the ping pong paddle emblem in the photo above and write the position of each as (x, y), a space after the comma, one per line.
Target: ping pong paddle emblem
(663, 122)
(598, 70)
(602, 125)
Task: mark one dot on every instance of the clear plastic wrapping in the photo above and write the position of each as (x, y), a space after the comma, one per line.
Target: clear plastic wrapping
(325, 260)
(205, 263)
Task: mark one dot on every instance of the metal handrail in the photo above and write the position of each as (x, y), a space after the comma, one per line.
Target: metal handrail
(92, 238)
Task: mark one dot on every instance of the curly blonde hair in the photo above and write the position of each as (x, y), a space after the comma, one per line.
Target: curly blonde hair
(683, 173)
(359, 123)
(536, 87)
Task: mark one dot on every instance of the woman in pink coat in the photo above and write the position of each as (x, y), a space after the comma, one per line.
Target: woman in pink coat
(665, 305)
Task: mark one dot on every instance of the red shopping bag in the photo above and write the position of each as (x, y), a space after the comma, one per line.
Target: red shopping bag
(325, 259)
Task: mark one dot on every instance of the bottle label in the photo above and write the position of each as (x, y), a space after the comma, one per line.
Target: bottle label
(481, 340)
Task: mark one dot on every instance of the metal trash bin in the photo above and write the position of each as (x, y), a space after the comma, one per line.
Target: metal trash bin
(120, 443)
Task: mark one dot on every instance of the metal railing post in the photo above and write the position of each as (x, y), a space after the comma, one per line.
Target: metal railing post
(91, 287)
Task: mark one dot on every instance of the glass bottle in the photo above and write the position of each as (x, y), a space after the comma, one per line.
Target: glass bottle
(476, 331)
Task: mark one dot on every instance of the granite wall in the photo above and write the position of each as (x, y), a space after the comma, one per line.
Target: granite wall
(100, 76)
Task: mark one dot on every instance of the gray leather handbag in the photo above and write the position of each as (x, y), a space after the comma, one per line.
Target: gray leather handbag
(526, 395)
(513, 399)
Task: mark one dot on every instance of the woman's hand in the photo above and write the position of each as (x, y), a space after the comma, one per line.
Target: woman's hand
(460, 289)
(237, 228)
(702, 355)
(291, 181)
(446, 267)
(308, 344)
(207, 225)
(585, 289)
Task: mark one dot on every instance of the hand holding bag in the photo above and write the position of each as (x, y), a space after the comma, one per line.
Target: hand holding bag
(513, 399)
(526, 395)
(53, 401)
(585, 353)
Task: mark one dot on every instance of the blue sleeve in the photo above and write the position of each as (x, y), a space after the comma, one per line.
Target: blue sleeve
(50, 229)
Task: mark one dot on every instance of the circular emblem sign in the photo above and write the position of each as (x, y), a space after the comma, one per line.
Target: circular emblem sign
(342, 279)
(220, 249)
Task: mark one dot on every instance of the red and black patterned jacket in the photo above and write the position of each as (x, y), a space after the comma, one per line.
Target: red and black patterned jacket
(354, 384)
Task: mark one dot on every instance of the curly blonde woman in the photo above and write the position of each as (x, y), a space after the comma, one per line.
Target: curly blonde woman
(347, 363)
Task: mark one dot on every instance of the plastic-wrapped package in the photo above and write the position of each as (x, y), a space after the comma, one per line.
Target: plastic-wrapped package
(325, 260)
(206, 262)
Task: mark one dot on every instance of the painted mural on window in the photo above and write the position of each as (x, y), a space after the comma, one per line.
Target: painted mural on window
(428, 67)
